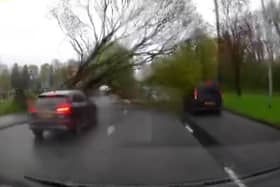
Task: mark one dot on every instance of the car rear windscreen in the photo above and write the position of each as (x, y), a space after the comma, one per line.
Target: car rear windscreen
(208, 89)
(50, 102)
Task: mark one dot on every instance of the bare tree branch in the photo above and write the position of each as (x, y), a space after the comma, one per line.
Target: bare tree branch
(146, 28)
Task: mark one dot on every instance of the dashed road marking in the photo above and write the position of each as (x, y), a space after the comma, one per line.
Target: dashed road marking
(234, 177)
(110, 130)
(189, 128)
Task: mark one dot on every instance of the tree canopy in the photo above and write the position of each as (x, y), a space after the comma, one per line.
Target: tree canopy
(147, 29)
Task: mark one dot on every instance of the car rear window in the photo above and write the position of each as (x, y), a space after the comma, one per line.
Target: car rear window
(47, 102)
(208, 89)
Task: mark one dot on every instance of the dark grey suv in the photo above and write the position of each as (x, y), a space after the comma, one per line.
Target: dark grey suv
(205, 97)
(66, 110)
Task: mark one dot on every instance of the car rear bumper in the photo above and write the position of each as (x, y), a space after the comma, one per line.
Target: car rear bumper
(202, 107)
(51, 125)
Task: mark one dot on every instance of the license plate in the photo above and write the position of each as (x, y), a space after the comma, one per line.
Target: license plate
(210, 103)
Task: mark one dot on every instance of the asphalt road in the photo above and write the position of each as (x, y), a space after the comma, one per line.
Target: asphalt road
(248, 148)
(132, 145)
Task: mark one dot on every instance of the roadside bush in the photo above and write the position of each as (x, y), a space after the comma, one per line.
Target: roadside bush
(9, 106)
(193, 62)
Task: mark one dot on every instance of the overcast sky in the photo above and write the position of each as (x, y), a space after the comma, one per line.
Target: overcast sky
(28, 35)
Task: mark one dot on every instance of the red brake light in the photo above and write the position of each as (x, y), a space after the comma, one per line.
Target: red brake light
(32, 109)
(195, 93)
(63, 109)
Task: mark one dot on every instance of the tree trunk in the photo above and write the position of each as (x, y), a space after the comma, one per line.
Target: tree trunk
(237, 79)
(219, 76)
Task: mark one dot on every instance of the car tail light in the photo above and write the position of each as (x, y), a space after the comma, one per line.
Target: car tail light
(32, 109)
(195, 94)
(63, 109)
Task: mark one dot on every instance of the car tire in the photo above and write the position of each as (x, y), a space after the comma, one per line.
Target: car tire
(39, 134)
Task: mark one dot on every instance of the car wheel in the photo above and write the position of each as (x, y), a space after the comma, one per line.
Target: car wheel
(38, 134)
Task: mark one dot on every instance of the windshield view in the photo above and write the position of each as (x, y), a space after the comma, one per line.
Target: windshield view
(140, 93)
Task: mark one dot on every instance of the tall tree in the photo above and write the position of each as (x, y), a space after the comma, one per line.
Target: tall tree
(45, 76)
(148, 29)
(59, 74)
(122, 81)
(34, 77)
(194, 61)
(236, 32)
(271, 17)
(20, 98)
(33, 71)
(218, 30)
(25, 78)
(51, 77)
(15, 77)
(5, 81)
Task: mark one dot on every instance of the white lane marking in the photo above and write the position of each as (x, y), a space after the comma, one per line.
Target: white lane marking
(125, 112)
(232, 175)
(110, 130)
(189, 128)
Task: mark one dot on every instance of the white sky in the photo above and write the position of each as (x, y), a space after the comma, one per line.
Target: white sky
(29, 36)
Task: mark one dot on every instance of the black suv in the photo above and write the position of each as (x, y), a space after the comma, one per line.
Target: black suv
(67, 110)
(205, 97)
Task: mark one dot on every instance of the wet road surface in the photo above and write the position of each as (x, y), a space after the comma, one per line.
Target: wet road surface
(131, 145)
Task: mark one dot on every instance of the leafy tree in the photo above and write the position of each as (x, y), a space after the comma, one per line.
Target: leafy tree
(25, 78)
(51, 76)
(236, 33)
(20, 98)
(15, 77)
(135, 25)
(33, 71)
(122, 81)
(45, 76)
(60, 73)
(34, 77)
(5, 81)
(207, 53)
(194, 61)
(115, 59)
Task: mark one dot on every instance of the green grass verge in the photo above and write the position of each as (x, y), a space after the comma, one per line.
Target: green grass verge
(255, 105)
(8, 107)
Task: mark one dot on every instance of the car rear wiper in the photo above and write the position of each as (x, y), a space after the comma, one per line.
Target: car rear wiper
(58, 183)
